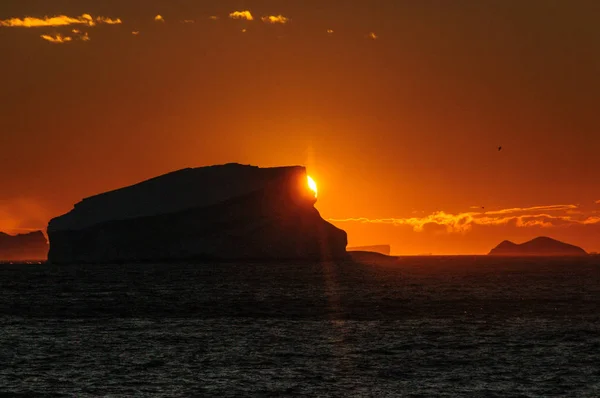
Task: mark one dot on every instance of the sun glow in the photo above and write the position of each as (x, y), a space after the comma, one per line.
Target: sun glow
(312, 184)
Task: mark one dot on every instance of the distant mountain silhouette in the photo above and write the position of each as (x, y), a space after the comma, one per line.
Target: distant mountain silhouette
(541, 246)
(30, 246)
(227, 212)
(383, 249)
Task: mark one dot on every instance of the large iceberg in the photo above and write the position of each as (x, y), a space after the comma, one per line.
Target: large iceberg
(225, 212)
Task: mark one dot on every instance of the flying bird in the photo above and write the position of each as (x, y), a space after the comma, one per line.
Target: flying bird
(499, 148)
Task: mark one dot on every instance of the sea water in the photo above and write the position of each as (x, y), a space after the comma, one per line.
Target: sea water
(422, 327)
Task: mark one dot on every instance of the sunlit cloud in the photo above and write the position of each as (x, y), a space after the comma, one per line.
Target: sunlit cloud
(330, 31)
(135, 32)
(373, 36)
(534, 208)
(59, 20)
(244, 30)
(57, 39)
(109, 21)
(247, 15)
(274, 19)
(213, 18)
(539, 216)
(83, 36)
(159, 18)
(592, 220)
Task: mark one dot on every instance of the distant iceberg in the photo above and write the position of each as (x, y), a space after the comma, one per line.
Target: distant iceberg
(30, 246)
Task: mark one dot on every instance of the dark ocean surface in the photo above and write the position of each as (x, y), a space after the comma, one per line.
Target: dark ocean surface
(423, 327)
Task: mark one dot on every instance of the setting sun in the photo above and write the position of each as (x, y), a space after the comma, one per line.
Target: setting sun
(312, 185)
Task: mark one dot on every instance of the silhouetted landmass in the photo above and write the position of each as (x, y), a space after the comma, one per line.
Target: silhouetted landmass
(383, 249)
(226, 212)
(541, 246)
(30, 246)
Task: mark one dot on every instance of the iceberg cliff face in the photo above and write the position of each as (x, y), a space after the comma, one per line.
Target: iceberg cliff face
(31, 246)
(227, 212)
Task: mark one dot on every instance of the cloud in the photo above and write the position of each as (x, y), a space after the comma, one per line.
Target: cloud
(274, 19)
(247, 15)
(109, 21)
(57, 39)
(59, 20)
(452, 222)
(159, 18)
(464, 222)
(188, 21)
(373, 36)
(135, 32)
(213, 17)
(534, 208)
(83, 36)
(330, 31)
(591, 220)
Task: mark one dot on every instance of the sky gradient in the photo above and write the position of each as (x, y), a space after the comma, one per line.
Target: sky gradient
(397, 108)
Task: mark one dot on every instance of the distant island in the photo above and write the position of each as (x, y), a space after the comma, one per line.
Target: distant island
(382, 249)
(30, 246)
(541, 246)
(228, 212)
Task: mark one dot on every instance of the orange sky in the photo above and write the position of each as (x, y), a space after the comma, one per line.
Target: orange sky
(397, 111)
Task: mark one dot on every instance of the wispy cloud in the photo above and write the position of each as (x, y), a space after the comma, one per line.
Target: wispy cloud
(135, 32)
(57, 39)
(274, 19)
(83, 36)
(188, 21)
(536, 216)
(534, 208)
(159, 18)
(592, 220)
(373, 36)
(213, 18)
(247, 15)
(109, 21)
(330, 31)
(59, 20)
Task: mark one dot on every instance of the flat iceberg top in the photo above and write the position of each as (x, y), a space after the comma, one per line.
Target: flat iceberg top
(172, 192)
